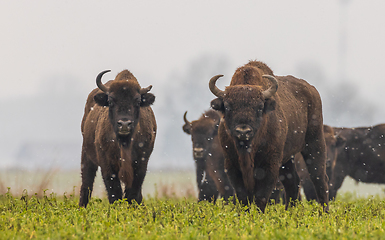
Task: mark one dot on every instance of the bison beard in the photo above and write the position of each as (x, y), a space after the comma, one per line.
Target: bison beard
(246, 164)
(118, 129)
(126, 173)
(267, 120)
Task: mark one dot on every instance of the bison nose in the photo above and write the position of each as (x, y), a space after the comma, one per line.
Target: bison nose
(124, 125)
(198, 152)
(243, 132)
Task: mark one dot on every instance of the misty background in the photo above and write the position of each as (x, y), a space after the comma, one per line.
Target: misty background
(52, 51)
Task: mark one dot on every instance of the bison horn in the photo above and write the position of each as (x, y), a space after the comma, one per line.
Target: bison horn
(214, 89)
(185, 118)
(145, 90)
(273, 89)
(99, 81)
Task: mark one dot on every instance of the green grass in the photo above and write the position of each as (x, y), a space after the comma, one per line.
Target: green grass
(59, 217)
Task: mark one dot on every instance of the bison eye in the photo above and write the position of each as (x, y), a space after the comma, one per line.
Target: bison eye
(260, 109)
(227, 106)
(111, 102)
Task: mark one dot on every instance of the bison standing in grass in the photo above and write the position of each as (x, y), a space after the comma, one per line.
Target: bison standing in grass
(267, 120)
(118, 129)
(363, 157)
(208, 155)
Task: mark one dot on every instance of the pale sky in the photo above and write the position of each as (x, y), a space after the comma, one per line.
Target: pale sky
(154, 38)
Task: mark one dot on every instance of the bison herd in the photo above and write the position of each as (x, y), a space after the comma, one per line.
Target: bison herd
(264, 134)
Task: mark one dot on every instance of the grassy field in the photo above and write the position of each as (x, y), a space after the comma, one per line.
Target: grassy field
(45, 205)
(59, 217)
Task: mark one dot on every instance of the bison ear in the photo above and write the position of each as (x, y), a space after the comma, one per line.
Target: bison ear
(147, 99)
(269, 105)
(217, 104)
(101, 99)
(187, 128)
(340, 141)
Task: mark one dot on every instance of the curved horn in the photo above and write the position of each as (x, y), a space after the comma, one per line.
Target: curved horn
(185, 118)
(145, 90)
(99, 81)
(214, 89)
(268, 93)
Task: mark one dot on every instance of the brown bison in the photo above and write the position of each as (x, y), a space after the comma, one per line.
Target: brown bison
(118, 129)
(363, 157)
(334, 145)
(209, 160)
(263, 127)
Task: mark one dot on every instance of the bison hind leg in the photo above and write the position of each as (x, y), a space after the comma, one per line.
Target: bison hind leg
(316, 166)
(309, 190)
(88, 173)
(290, 180)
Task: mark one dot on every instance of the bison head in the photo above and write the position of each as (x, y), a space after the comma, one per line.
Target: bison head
(202, 133)
(334, 143)
(244, 108)
(124, 98)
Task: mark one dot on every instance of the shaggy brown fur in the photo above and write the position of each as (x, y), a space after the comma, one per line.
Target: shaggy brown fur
(280, 126)
(363, 157)
(208, 156)
(334, 145)
(122, 156)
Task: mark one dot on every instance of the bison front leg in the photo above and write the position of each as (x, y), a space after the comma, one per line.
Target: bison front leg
(134, 192)
(88, 172)
(290, 180)
(225, 186)
(207, 189)
(277, 194)
(336, 180)
(215, 173)
(112, 183)
(235, 177)
(266, 179)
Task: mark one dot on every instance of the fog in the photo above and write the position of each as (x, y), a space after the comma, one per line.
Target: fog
(52, 51)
